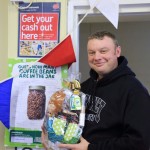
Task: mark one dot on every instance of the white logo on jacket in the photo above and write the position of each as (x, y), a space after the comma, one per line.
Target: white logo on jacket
(96, 105)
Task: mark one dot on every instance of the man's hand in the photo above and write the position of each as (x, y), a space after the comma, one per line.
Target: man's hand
(83, 145)
(43, 138)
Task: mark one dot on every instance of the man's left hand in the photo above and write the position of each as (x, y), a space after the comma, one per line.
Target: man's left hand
(83, 145)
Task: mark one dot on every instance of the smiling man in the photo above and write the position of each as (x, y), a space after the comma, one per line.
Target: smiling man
(117, 105)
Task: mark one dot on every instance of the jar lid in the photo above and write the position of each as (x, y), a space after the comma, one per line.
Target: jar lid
(38, 87)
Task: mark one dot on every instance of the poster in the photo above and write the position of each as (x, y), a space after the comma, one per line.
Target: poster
(32, 87)
(28, 148)
(38, 30)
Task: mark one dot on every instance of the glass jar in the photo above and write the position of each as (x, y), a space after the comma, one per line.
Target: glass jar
(36, 102)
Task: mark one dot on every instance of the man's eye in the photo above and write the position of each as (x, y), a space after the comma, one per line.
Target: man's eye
(103, 51)
(91, 53)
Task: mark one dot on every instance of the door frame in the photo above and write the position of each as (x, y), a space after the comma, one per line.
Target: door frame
(76, 8)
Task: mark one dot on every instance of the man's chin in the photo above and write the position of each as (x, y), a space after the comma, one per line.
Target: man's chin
(99, 69)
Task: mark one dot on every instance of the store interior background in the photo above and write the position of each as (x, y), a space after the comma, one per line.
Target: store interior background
(133, 35)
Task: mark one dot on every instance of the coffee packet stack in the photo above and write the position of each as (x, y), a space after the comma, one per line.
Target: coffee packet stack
(65, 115)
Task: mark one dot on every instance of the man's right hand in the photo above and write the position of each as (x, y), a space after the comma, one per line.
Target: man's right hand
(44, 138)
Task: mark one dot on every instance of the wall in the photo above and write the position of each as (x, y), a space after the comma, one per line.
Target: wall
(134, 39)
(9, 37)
(3, 53)
(3, 38)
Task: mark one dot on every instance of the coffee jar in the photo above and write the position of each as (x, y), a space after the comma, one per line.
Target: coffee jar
(36, 102)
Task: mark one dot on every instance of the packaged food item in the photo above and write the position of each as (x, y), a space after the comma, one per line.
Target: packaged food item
(65, 115)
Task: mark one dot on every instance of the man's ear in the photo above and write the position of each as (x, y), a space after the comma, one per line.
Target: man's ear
(118, 51)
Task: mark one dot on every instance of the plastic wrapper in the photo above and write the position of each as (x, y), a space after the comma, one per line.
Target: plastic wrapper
(65, 116)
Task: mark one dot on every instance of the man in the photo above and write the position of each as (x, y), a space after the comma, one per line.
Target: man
(117, 105)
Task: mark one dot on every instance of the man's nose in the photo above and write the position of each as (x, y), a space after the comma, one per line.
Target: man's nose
(97, 55)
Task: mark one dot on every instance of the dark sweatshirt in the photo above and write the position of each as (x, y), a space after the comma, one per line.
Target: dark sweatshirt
(117, 111)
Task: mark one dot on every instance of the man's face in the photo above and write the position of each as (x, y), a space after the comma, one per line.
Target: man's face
(102, 55)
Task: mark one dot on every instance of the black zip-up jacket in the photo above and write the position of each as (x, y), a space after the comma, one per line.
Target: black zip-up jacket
(117, 111)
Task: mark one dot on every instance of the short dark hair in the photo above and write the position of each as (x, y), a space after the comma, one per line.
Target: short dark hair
(101, 34)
